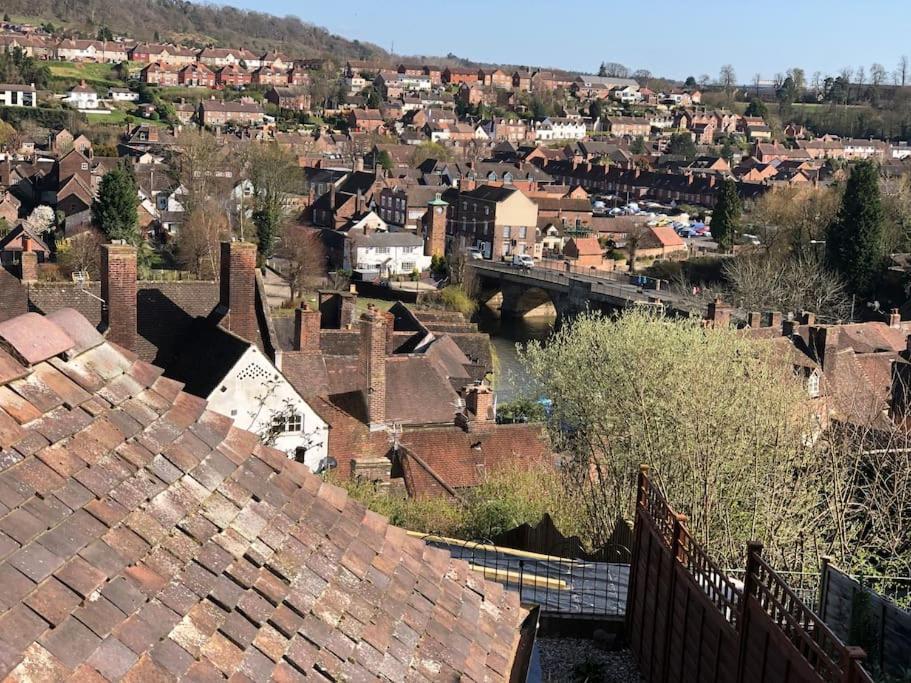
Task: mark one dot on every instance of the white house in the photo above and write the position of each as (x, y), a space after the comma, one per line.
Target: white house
(123, 95)
(628, 94)
(415, 83)
(355, 84)
(560, 128)
(12, 95)
(82, 97)
(370, 248)
(240, 382)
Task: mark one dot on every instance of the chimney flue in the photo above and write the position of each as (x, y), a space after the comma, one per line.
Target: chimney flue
(118, 289)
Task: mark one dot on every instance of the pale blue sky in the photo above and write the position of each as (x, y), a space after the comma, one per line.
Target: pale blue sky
(668, 38)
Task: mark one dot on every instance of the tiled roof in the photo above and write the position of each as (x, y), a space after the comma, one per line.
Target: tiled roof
(144, 537)
(437, 458)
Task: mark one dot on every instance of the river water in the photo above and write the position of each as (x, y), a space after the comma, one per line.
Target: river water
(510, 380)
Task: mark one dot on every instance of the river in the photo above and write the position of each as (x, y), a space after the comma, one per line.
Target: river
(510, 380)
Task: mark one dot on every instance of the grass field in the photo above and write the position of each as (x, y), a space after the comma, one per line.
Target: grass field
(116, 116)
(96, 75)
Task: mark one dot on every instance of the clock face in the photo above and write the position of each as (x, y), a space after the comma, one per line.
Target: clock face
(439, 210)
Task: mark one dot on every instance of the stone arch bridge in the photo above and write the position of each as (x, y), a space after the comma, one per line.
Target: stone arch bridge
(525, 289)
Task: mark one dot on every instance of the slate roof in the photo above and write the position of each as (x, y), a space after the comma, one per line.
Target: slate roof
(144, 537)
(204, 362)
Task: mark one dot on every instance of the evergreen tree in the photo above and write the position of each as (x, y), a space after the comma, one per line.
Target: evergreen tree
(757, 107)
(268, 221)
(690, 82)
(384, 160)
(114, 211)
(682, 144)
(637, 146)
(726, 215)
(854, 240)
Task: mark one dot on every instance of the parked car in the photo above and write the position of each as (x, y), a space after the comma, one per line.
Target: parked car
(475, 254)
(523, 261)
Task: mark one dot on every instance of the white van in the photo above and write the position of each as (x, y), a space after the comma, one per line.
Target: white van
(523, 261)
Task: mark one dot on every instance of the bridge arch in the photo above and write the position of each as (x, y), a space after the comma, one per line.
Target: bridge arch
(522, 300)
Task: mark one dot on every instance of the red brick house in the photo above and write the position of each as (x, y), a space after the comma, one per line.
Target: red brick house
(232, 76)
(365, 120)
(196, 75)
(584, 251)
(496, 78)
(298, 76)
(267, 75)
(455, 75)
(159, 74)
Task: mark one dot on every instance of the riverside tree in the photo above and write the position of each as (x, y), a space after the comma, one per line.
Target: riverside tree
(854, 240)
(717, 415)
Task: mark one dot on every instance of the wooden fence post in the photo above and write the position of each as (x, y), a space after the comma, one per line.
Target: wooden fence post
(642, 484)
(754, 551)
(678, 544)
(851, 665)
(823, 587)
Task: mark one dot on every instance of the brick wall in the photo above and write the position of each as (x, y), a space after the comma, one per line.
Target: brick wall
(118, 289)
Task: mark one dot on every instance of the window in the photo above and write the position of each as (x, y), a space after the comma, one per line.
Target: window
(522, 232)
(382, 250)
(289, 422)
(408, 266)
(813, 385)
(506, 232)
(408, 250)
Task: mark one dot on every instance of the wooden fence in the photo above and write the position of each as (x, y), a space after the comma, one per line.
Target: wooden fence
(883, 625)
(688, 621)
(545, 538)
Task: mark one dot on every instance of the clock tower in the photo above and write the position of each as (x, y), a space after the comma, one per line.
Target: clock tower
(435, 227)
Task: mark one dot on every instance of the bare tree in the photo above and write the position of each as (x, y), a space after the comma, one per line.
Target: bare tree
(205, 226)
(757, 79)
(80, 253)
(902, 70)
(727, 78)
(760, 283)
(306, 256)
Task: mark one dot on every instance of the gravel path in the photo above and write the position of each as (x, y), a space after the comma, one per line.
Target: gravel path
(578, 660)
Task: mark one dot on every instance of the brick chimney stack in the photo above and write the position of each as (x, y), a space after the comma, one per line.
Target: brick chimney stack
(719, 313)
(306, 329)
(373, 363)
(479, 402)
(28, 269)
(775, 319)
(118, 289)
(895, 319)
(390, 333)
(754, 319)
(237, 288)
(479, 410)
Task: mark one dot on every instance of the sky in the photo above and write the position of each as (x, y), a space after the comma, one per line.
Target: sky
(673, 39)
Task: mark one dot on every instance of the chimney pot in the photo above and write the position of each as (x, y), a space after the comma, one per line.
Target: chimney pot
(118, 289)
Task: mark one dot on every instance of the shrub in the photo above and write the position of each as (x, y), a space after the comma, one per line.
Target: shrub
(455, 298)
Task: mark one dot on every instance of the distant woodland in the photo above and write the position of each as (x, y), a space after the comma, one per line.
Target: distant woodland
(193, 24)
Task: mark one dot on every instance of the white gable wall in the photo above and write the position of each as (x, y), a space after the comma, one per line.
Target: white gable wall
(254, 392)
